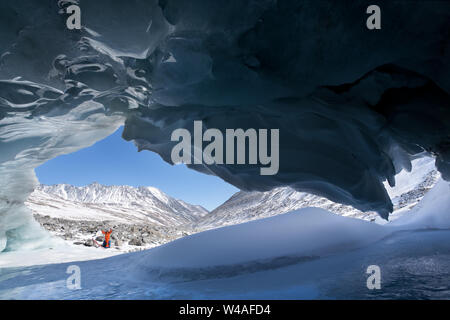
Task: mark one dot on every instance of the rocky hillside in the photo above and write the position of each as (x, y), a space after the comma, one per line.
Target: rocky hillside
(141, 217)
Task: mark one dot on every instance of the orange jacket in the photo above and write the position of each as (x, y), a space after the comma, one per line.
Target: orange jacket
(107, 235)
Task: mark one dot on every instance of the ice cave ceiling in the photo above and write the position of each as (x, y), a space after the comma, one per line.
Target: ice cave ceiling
(353, 105)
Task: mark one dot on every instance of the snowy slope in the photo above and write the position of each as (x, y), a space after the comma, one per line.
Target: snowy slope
(122, 204)
(432, 212)
(246, 206)
(284, 235)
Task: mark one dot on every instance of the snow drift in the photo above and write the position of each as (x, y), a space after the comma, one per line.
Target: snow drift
(353, 106)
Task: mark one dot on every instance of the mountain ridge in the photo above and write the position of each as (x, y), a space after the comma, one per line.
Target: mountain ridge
(127, 204)
(245, 206)
(138, 204)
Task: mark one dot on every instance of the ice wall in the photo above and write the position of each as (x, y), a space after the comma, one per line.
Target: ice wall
(353, 106)
(26, 142)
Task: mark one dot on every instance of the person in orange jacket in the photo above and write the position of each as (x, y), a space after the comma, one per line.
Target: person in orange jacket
(107, 241)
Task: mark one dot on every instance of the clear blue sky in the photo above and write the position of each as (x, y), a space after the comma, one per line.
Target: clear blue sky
(114, 161)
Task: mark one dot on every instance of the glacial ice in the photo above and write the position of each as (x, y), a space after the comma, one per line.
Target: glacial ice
(353, 106)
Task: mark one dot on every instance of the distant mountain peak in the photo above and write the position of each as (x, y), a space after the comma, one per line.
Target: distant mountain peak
(116, 202)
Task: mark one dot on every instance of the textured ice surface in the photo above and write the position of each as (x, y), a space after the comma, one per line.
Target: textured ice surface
(353, 106)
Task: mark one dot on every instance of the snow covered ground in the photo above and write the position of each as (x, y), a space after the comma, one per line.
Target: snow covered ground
(61, 253)
(306, 254)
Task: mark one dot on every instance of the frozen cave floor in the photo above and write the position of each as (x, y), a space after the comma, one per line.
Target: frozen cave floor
(414, 265)
(305, 254)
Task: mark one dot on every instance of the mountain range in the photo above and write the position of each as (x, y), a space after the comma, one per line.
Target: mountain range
(122, 204)
(148, 205)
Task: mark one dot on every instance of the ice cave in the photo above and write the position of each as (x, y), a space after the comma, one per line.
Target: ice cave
(353, 106)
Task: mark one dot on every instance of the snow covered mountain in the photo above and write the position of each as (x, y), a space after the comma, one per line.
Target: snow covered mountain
(246, 206)
(148, 205)
(121, 204)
